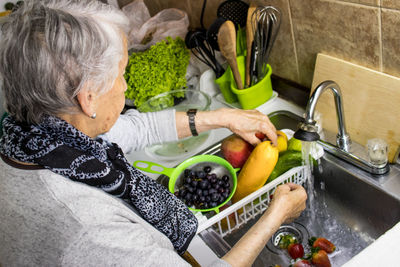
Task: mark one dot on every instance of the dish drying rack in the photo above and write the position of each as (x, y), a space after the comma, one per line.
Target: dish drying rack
(238, 214)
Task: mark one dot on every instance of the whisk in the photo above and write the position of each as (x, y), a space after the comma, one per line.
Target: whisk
(265, 23)
(201, 48)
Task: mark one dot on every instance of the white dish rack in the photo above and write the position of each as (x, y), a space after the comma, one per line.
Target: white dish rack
(249, 207)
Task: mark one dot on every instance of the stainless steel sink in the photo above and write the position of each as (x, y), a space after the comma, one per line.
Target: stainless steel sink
(348, 206)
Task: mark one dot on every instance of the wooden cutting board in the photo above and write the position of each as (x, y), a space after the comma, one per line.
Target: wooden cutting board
(371, 101)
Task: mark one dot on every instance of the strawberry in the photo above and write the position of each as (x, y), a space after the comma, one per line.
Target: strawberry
(296, 250)
(320, 259)
(322, 243)
(260, 136)
(302, 263)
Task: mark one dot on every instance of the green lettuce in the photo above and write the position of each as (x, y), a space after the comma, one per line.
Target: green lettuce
(159, 69)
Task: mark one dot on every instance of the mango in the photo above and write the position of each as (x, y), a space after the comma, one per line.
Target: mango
(256, 170)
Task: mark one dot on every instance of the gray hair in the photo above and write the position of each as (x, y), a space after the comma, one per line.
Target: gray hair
(50, 50)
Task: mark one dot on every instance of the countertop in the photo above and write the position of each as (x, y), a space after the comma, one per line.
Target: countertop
(383, 252)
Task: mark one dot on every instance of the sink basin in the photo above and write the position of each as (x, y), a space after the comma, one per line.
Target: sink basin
(347, 206)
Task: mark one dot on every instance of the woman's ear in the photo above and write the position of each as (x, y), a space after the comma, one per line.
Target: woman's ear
(86, 100)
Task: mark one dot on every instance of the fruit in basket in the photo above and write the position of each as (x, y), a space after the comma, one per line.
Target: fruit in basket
(236, 150)
(294, 144)
(256, 170)
(282, 141)
(287, 160)
(322, 243)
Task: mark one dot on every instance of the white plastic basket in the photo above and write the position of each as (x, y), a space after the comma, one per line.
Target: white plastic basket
(252, 205)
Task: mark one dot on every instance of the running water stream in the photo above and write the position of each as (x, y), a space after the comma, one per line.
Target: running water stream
(316, 218)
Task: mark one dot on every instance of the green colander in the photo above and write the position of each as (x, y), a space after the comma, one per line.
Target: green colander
(219, 166)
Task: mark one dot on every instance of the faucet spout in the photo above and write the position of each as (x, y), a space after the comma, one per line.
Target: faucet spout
(343, 139)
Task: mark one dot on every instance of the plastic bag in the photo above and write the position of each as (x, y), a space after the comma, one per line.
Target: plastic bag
(146, 31)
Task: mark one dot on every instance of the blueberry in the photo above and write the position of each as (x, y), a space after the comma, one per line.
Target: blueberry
(182, 192)
(221, 190)
(226, 184)
(188, 197)
(207, 169)
(205, 192)
(208, 198)
(199, 192)
(189, 203)
(221, 183)
(213, 180)
(221, 199)
(205, 205)
(213, 204)
(192, 174)
(202, 198)
(201, 174)
(190, 188)
(215, 197)
(194, 183)
(228, 190)
(225, 178)
(187, 173)
(203, 184)
(209, 176)
(216, 186)
(195, 198)
(225, 194)
(188, 180)
(212, 191)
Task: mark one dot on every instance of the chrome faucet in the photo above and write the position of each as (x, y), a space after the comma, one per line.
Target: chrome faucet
(308, 132)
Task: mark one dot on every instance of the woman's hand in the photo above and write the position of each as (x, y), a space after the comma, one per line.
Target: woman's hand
(246, 123)
(289, 200)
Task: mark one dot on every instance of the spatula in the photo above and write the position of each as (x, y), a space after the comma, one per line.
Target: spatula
(249, 39)
(227, 46)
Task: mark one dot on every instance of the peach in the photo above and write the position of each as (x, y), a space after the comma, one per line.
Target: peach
(236, 150)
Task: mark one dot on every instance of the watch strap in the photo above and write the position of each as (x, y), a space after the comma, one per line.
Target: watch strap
(191, 113)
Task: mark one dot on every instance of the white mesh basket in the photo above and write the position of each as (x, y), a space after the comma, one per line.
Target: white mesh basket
(249, 207)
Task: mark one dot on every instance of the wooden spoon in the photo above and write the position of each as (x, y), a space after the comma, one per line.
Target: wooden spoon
(249, 40)
(227, 46)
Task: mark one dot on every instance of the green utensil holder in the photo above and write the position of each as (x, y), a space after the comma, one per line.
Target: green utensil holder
(256, 95)
(224, 83)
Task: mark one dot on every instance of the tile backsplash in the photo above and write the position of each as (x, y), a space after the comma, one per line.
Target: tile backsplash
(364, 32)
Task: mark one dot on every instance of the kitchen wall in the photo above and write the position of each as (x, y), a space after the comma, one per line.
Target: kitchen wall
(364, 32)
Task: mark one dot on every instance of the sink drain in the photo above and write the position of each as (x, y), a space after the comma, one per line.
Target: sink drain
(295, 229)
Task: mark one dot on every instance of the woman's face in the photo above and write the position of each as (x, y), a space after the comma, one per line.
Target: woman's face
(110, 104)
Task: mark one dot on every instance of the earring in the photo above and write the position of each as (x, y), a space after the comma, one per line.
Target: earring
(93, 116)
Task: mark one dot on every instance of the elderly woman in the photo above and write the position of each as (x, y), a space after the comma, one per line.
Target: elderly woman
(68, 196)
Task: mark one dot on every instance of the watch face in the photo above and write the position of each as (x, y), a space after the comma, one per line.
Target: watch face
(192, 111)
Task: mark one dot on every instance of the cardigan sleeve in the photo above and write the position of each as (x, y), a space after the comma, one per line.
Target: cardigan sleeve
(134, 130)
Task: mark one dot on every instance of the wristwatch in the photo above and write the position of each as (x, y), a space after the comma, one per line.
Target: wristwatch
(191, 113)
